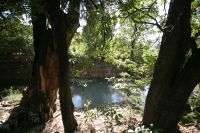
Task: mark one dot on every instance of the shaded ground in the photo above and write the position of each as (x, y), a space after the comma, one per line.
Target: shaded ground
(90, 120)
(97, 124)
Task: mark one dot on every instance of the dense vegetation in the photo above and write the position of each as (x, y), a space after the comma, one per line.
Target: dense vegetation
(155, 48)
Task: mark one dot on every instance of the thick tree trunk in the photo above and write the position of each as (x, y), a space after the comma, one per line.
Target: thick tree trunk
(40, 96)
(64, 27)
(173, 81)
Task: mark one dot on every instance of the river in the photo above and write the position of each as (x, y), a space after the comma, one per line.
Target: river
(96, 91)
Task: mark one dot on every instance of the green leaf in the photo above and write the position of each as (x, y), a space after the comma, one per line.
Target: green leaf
(116, 118)
(120, 115)
(111, 114)
(107, 114)
(114, 111)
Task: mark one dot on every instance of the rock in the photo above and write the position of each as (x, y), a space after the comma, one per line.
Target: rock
(77, 114)
(4, 116)
(130, 131)
(97, 128)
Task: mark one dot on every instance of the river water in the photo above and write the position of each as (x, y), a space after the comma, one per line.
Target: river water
(97, 91)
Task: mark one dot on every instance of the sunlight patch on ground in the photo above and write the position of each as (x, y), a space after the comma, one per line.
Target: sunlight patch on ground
(12, 98)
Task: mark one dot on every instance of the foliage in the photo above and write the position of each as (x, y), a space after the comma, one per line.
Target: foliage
(134, 53)
(124, 36)
(78, 47)
(16, 45)
(12, 95)
(142, 129)
(195, 18)
(192, 116)
(124, 33)
(11, 8)
(79, 57)
(89, 114)
(194, 102)
(16, 39)
(99, 29)
(109, 111)
(86, 105)
(11, 91)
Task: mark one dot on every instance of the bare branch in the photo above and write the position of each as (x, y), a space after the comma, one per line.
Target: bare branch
(156, 23)
(152, 5)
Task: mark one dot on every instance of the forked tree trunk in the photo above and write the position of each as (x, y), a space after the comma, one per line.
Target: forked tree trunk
(173, 79)
(64, 26)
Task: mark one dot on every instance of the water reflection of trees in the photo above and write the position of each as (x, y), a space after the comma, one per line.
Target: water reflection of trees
(98, 92)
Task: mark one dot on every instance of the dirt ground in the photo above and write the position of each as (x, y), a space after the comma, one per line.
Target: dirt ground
(89, 121)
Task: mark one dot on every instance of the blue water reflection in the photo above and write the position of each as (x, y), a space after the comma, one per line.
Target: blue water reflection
(98, 91)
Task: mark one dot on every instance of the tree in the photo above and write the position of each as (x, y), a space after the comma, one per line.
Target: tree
(44, 84)
(51, 62)
(15, 48)
(174, 78)
(99, 29)
(64, 26)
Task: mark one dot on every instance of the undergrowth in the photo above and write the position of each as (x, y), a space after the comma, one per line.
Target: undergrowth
(12, 95)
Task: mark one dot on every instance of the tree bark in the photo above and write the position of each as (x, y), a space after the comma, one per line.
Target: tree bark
(64, 26)
(173, 79)
(41, 94)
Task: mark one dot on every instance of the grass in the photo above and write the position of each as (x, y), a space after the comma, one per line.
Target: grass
(11, 91)
(12, 95)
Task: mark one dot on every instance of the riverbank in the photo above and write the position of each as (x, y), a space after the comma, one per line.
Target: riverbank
(117, 117)
(89, 121)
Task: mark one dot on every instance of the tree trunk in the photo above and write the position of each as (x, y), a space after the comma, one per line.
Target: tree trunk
(173, 79)
(64, 26)
(40, 96)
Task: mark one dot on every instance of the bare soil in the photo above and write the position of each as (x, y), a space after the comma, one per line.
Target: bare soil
(87, 123)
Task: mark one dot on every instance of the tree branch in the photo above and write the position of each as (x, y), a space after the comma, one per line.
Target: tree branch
(156, 22)
(145, 22)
